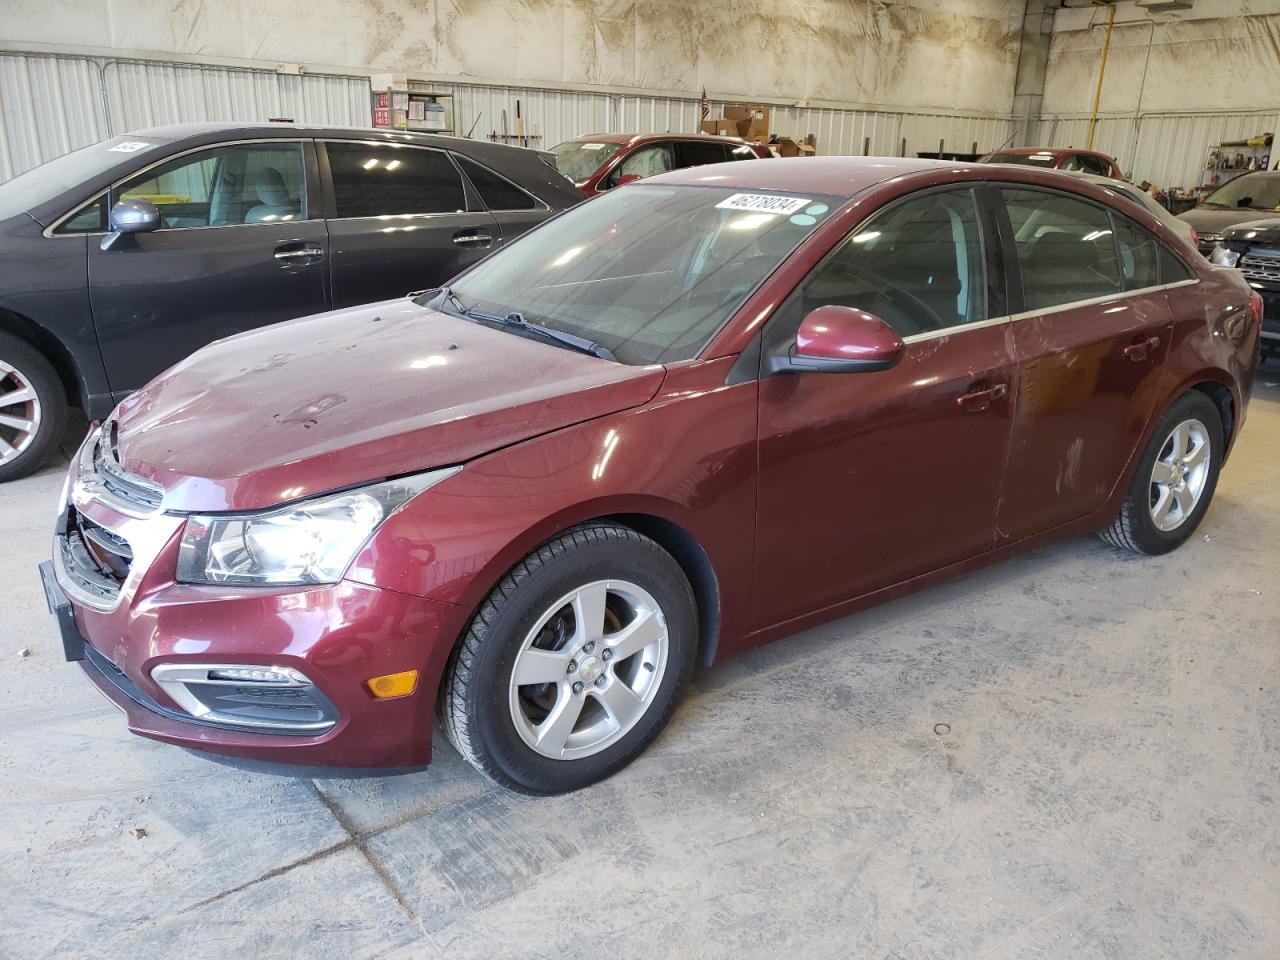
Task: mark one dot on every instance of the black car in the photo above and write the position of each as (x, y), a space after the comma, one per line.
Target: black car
(1247, 197)
(1254, 248)
(120, 259)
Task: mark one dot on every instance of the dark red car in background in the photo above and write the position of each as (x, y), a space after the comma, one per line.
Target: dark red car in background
(1054, 158)
(673, 423)
(601, 161)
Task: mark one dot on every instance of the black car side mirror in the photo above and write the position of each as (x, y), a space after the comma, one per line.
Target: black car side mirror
(131, 216)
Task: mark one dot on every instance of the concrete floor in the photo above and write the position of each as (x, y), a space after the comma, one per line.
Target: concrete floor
(1075, 754)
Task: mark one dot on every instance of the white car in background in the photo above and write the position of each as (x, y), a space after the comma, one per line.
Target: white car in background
(1142, 198)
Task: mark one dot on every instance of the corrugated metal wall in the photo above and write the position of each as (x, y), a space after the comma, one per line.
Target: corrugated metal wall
(552, 116)
(55, 104)
(1167, 149)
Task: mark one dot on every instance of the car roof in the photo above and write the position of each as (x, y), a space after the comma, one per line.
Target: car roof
(631, 138)
(830, 176)
(287, 128)
(1050, 151)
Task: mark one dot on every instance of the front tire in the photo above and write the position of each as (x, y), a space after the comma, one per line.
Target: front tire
(574, 662)
(1174, 481)
(33, 409)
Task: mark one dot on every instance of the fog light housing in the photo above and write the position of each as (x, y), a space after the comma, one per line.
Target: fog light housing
(265, 699)
(393, 685)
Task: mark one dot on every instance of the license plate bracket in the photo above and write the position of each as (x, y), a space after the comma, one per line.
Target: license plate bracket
(60, 607)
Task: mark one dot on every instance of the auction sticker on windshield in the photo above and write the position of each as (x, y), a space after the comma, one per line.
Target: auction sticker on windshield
(762, 203)
(129, 146)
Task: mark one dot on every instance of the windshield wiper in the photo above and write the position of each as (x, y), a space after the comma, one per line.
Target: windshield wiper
(443, 297)
(516, 321)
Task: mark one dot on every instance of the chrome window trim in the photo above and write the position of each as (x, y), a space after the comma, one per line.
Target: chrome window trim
(1047, 311)
(49, 230)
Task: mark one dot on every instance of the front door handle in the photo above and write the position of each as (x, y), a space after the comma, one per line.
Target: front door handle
(294, 253)
(975, 401)
(473, 238)
(1138, 351)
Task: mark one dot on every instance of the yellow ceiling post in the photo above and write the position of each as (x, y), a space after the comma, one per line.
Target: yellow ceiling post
(1102, 70)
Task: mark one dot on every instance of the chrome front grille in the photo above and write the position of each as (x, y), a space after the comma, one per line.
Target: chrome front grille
(139, 493)
(1260, 269)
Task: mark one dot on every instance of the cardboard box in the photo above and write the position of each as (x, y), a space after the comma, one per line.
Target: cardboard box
(720, 128)
(752, 121)
(786, 147)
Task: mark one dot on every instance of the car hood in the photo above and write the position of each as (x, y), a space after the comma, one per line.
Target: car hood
(352, 396)
(1211, 220)
(1265, 232)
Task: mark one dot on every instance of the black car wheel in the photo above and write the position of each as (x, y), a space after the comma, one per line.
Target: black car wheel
(574, 663)
(1174, 480)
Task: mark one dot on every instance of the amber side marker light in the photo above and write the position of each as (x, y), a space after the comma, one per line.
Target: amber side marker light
(393, 684)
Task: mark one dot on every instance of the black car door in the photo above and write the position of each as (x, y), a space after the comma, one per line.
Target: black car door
(400, 219)
(240, 245)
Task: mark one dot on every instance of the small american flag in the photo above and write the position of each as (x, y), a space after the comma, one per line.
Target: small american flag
(706, 106)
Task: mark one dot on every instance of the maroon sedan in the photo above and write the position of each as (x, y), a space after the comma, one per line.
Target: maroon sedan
(670, 424)
(602, 161)
(1057, 158)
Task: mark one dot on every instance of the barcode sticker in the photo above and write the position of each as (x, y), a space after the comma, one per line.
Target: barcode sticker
(129, 146)
(762, 203)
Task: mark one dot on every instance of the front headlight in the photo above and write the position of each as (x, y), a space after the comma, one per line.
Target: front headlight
(1224, 256)
(310, 542)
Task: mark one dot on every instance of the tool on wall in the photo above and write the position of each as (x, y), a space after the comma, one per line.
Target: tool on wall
(520, 127)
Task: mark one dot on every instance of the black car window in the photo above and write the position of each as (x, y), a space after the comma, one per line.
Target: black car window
(498, 193)
(91, 218)
(1065, 248)
(1138, 252)
(917, 266)
(1095, 165)
(694, 153)
(378, 180)
(222, 186)
(1172, 269)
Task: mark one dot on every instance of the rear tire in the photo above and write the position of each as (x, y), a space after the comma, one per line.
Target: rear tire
(33, 408)
(574, 662)
(1174, 481)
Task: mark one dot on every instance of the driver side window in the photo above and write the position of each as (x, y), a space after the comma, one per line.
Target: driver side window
(645, 162)
(244, 183)
(917, 266)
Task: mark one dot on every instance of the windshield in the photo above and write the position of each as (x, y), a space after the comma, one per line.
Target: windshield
(647, 271)
(1253, 191)
(1025, 159)
(578, 160)
(29, 190)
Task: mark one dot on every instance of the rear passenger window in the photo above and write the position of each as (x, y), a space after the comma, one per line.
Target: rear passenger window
(1065, 247)
(695, 154)
(1138, 250)
(497, 192)
(917, 266)
(1172, 269)
(378, 180)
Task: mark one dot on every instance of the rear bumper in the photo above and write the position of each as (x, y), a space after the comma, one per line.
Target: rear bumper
(338, 636)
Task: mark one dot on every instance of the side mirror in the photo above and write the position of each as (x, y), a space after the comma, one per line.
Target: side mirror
(131, 216)
(629, 178)
(835, 339)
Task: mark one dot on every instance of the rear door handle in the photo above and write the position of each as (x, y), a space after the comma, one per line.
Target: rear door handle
(978, 400)
(1138, 351)
(294, 253)
(473, 238)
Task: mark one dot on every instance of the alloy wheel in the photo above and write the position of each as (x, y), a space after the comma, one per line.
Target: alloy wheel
(1179, 475)
(20, 413)
(589, 669)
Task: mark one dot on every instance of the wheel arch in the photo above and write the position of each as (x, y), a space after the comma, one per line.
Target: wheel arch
(657, 519)
(52, 349)
(1224, 400)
